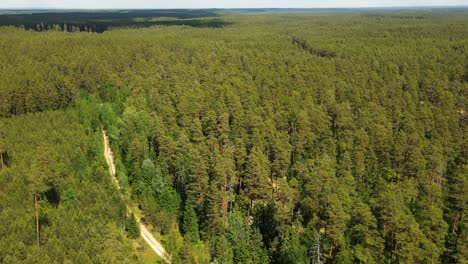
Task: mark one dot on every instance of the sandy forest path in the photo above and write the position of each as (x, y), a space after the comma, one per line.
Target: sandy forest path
(145, 234)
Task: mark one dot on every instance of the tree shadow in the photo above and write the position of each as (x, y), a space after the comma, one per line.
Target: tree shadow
(53, 196)
(5, 159)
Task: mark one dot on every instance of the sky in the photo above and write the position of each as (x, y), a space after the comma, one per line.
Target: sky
(136, 4)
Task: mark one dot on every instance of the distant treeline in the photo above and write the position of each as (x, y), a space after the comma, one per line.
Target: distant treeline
(66, 27)
(101, 27)
(102, 21)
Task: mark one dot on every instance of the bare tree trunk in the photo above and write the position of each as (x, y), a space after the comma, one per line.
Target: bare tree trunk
(240, 185)
(36, 206)
(250, 207)
(225, 201)
(225, 209)
(272, 183)
(225, 198)
(1, 159)
(317, 256)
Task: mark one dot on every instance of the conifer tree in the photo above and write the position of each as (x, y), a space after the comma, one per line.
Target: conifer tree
(131, 225)
(190, 224)
(257, 182)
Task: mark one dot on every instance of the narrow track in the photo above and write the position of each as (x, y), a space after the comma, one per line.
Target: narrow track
(145, 234)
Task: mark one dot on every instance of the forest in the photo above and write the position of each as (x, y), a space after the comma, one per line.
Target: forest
(274, 138)
(100, 21)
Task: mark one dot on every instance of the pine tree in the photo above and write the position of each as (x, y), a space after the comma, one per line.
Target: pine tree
(293, 249)
(44, 173)
(365, 237)
(221, 250)
(246, 243)
(316, 250)
(257, 183)
(190, 224)
(197, 180)
(455, 201)
(132, 227)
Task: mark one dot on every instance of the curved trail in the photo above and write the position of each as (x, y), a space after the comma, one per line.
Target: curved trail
(145, 234)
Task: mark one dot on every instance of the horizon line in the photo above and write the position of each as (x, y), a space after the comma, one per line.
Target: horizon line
(201, 8)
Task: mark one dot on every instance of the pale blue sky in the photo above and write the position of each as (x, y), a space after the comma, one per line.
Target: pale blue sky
(96, 4)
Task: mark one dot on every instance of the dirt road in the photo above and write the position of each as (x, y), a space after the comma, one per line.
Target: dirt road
(145, 234)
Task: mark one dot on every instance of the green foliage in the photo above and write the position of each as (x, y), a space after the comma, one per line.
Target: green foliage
(268, 130)
(293, 250)
(264, 220)
(258, 185)
(365, 237)
(69, 196)
(190, 224)
(194, 253)
(246, 242)
(131, 225)
(78, 206)
(221, 250)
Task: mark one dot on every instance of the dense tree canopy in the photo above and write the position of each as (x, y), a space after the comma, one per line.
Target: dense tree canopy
(52, 156)
(266, 141)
